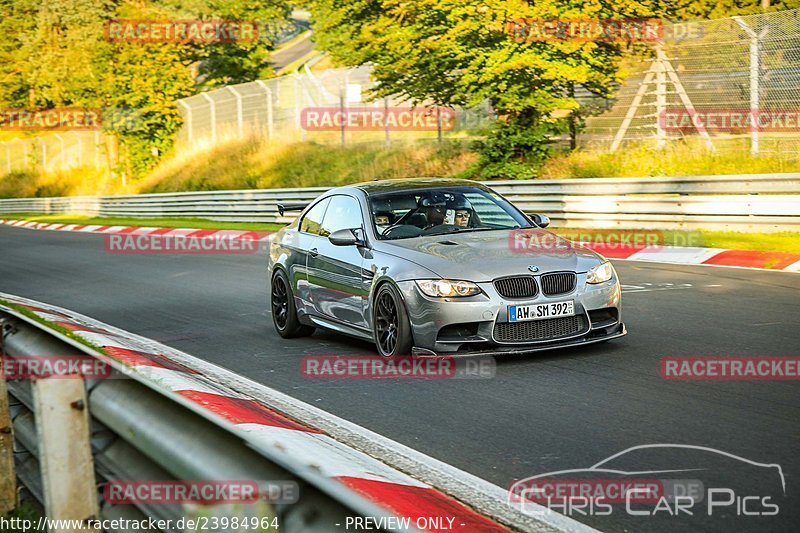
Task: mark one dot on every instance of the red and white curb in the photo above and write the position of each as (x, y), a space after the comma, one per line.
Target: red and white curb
(682, 255)
(685, 255)
(189, 233)
(303, 433)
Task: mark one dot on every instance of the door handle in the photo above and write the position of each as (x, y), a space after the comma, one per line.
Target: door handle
(313, 252)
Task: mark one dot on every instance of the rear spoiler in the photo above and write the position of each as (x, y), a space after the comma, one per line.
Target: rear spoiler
(282, 208)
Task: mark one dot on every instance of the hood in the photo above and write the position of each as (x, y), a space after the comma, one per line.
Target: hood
(486, 255)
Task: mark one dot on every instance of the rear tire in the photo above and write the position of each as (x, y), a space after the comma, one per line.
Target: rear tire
(390, 325)
(284, 312)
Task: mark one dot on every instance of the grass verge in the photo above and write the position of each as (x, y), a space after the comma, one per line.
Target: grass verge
(252, 163)
(198, 223)
(677, 159)
(764, 242)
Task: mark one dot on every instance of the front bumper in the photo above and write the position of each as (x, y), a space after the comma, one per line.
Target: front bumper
(466, 326)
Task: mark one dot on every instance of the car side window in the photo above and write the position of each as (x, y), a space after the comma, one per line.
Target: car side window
(344, 212)
(312, 221)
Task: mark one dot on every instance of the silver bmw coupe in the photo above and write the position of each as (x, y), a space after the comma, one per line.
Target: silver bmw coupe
(437, 267)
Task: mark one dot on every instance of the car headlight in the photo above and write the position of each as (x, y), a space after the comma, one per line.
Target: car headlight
(600, 273)
(447, 288)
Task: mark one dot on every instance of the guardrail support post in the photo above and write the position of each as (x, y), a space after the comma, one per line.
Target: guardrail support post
(755, 68)
(239, 114)
(96, 149)
(189, 134)
(8, 478)
(63, 152)
(661, 96)
(44, 152)
(754, 95)
(80, 147)
(269, 106)
(212, 109)
(65, 454)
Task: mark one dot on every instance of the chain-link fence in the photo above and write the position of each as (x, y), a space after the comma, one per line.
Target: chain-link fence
(727, 84)
(55, 151)
(277, 109)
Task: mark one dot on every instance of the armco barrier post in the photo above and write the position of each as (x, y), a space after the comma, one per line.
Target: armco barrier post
(65, 453)
(755, 66)
(239, 114)
(8, 478)
(661, 95)
(189, 131)
(212, 110)
(269, 106)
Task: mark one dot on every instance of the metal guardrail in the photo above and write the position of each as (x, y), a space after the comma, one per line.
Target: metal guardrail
(166, 417)
(757, 202)
(130, 431)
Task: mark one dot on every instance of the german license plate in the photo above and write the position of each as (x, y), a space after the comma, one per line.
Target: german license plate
(520, 313)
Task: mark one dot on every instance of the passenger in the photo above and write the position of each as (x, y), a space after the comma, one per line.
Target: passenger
(459, 210)
(462, 217)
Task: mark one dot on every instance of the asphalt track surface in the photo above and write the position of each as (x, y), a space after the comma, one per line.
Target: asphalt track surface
(287, 56)
(546, 412)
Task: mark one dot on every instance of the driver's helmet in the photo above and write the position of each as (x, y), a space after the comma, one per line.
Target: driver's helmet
(383, 218)
(459, 211)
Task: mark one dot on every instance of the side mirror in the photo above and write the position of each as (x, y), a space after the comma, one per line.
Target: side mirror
(541, 220)
(344, 237)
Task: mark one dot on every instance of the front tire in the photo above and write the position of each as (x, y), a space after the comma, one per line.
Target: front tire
(284, 312)
(391, 328)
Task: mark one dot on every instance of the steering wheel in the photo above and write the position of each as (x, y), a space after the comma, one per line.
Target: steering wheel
(391, 228)
(441, 228)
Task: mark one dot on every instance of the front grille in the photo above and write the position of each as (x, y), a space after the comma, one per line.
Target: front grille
(558, 283)
(517, 287)
(539, 330)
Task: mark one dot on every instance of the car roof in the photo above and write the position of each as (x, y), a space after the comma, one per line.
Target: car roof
(408, 184)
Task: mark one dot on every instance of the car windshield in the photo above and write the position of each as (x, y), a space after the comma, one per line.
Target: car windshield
(414, 213)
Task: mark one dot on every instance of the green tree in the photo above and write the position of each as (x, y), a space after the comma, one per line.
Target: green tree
(460, 52)
(54, 53)
(241, 61)
(713, 9)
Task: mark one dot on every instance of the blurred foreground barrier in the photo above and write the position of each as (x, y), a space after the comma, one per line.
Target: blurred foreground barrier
(108, 430)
